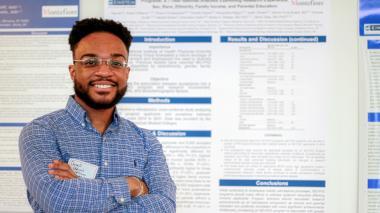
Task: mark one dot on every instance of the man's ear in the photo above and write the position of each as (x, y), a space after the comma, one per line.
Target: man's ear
(72, 71)
(127, 72)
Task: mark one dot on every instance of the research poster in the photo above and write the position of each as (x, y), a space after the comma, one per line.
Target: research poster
(34, 79)
(236, 91)
(369, 156)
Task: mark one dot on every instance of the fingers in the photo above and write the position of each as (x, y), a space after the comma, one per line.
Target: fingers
(61, 174)
(61, 170)
(144, 188)
(137, 186)
(59, 165)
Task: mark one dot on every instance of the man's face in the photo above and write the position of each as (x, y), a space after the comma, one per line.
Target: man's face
(100, 86)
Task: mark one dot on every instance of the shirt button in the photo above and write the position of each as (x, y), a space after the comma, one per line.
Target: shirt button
(83, 124)
(105, 163)
(122, 200)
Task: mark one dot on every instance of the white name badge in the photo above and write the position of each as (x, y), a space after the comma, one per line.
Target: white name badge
(83, 169)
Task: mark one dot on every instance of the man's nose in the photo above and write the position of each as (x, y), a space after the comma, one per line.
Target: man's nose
(104, 68)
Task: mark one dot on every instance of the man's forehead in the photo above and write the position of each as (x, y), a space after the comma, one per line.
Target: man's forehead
(101, 40)
(100, 44)
(112, 55)
(100, 35)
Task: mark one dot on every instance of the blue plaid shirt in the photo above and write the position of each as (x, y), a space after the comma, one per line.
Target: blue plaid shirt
(123, 150)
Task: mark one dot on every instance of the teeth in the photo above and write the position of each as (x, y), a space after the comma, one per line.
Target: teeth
(103, 86)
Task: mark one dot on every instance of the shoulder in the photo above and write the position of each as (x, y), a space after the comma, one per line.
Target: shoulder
(46, 122)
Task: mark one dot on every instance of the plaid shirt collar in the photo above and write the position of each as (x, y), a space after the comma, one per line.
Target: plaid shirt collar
(80, 115)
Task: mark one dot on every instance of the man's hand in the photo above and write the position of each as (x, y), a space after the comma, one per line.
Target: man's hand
(137, 187)
(61, 170)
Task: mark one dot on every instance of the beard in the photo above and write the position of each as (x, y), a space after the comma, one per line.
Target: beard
(83, 94)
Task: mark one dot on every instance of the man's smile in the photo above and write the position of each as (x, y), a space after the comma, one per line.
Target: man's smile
(103, 86)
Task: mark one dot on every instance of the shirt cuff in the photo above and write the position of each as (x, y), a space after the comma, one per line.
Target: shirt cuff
(120, 190)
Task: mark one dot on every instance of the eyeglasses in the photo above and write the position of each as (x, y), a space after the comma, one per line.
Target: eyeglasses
(94, 62)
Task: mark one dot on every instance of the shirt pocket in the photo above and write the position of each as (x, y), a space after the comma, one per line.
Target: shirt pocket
(138, 165)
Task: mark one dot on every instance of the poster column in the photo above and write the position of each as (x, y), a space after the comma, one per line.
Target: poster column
(369, 142)
(274, 145)
(34, 79)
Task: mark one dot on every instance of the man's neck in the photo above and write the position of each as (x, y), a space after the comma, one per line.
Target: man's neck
(100, 118)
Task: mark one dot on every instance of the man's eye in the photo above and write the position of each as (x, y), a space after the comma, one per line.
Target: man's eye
(117, 64)
(90, 62)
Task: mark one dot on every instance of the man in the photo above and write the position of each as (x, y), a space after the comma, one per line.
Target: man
(86, 158)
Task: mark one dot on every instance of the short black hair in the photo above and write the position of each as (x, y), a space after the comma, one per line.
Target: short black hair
(87, 26)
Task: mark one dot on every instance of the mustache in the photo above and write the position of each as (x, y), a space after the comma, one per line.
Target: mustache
(91, 82)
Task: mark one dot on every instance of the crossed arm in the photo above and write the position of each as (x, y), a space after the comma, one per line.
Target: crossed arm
(62, 171)
(53, 187)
